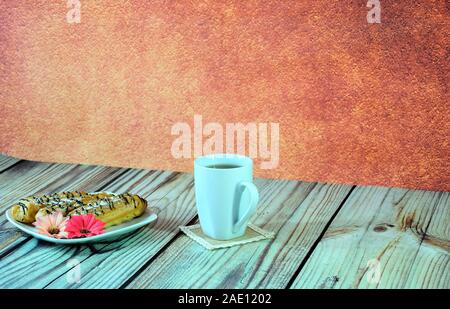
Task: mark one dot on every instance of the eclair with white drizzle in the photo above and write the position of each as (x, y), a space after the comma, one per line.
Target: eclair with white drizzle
(25, 210)
(115, 209)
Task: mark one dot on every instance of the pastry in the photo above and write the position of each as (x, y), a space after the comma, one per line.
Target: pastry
(114, 209)
(69, 203)
(26, 209)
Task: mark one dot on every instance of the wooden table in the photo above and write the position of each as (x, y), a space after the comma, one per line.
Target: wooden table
(327, 236)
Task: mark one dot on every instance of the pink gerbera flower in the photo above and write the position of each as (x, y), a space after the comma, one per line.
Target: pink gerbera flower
(52, 225)
(84, 226)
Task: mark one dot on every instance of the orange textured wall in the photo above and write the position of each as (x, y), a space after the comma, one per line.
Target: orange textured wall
(356, 102)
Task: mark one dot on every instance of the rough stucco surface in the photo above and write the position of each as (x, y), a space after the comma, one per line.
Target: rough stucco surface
(356, 102)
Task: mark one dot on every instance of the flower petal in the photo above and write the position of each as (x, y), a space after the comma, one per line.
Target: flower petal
(90, 219)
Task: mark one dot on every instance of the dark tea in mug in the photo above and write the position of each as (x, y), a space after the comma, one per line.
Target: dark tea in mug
(223, 166)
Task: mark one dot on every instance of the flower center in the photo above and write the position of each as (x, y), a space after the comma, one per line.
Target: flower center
(84, 231)
(53, 230)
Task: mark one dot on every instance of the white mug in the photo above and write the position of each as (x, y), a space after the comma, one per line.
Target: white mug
(225, 195)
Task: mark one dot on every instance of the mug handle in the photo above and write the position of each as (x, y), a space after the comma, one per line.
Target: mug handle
(254, 198)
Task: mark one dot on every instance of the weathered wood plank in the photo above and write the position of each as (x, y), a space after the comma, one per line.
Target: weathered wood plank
(6, 162)
(431, 267)
(384, 227)
(49, 261)
(298, 212)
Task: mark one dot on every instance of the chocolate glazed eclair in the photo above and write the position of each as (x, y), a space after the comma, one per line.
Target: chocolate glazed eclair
(110, 208)
(113, 209)
(26, 209)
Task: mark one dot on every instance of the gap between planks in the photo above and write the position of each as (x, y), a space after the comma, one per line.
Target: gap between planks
(311, 250)
(5, 168)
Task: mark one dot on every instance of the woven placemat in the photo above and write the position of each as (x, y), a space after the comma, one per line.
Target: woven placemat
(252, 234)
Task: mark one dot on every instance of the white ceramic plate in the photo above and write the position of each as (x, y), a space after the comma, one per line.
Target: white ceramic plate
(110, 234)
